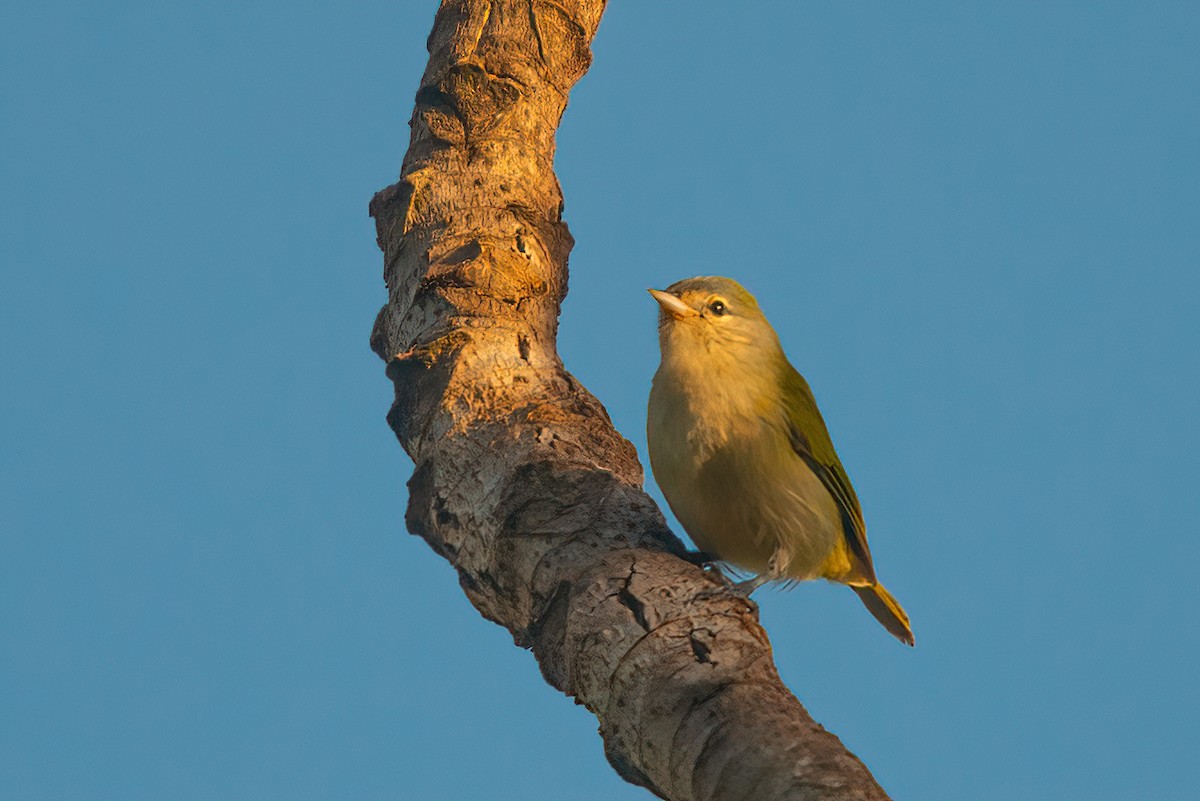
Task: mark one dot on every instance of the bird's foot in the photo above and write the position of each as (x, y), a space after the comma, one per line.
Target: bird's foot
(698, 558)
(727, 587)
(744, 588)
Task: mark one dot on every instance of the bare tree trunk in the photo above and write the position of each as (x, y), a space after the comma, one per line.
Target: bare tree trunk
(521, 482)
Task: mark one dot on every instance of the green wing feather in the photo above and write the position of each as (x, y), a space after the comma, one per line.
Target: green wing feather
(811, 441)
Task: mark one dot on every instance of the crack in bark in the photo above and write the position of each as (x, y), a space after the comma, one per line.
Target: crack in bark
(537, 34)
(487, 15)
(701, 649)
(631, 602)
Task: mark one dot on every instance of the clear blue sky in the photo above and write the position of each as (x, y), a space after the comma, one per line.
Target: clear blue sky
(976, 227)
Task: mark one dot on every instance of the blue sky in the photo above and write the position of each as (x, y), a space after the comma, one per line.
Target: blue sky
(975, 228)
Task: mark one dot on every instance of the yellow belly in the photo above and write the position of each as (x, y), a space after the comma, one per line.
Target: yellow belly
(749, 500)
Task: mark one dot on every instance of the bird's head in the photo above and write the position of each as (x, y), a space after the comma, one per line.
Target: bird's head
(710, 323)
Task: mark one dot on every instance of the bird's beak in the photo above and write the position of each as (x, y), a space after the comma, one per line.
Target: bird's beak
(672, 305)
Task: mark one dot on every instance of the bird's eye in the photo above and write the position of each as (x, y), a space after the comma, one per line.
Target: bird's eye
(717, 307)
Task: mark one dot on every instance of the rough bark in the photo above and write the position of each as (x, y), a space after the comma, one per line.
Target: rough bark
(521, 482)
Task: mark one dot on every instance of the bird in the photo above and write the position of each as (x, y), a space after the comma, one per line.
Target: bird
(743, 456)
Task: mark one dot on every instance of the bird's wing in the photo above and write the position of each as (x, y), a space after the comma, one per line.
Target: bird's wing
(811, 442)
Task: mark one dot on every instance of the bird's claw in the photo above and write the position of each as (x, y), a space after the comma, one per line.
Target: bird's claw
(727, 587)
(698, 558)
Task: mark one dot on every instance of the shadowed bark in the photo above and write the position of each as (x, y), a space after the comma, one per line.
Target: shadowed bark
(521, 482)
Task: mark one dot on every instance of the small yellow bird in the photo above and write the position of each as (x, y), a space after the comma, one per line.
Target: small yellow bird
(742, 454)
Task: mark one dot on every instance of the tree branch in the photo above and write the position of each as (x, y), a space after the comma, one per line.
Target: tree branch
(521, 482)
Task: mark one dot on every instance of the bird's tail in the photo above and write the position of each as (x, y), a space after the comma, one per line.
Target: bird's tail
(887, 610)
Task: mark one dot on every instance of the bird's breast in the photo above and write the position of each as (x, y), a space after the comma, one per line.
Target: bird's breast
(728, 471)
